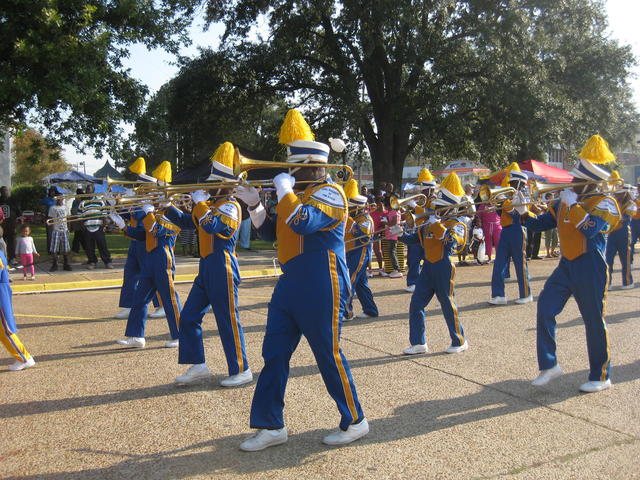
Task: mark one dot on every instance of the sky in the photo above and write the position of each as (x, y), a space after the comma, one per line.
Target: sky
(156, 67)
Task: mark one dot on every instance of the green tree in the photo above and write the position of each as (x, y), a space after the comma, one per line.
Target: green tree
(35, 157)
(483, 80)
(61, 62)
(214, 98)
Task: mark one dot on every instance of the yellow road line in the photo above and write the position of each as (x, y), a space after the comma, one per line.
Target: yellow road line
(54, 316)
(117, 282)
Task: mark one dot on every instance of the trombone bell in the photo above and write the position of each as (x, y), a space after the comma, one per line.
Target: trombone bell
(488, 194)
(401, 203)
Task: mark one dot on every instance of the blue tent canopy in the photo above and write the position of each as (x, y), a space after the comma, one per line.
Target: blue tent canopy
(70, 176)
(102, 187)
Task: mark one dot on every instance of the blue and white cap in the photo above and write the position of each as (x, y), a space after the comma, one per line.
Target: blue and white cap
(445, 197)
(589, 171)
(515, 175)
(307, 151)
(220, 171)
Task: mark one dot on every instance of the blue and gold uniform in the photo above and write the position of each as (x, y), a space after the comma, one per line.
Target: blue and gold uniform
(439, 240)
(8, 332)
(512, 245)
(358, 257)
(309, 299)
(619, 241)
(582, 272)
(216, 283)
(159, 237)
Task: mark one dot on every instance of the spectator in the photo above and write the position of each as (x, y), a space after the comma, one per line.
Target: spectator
(187, 238)
(533, 245)
(46, 203)
(477, 245)
(3, 245)
(551, 242)
(390, 241)
(76, 227)
(491, 228)
(26, 248)
(377, 212)
(93, 231)
(244, 232)
(271, 203)
(11, 212)
(59, 236)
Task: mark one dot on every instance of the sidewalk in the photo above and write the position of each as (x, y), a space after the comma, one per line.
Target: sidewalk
(252, 264)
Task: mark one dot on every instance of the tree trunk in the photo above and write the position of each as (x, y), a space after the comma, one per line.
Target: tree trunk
(388, 151)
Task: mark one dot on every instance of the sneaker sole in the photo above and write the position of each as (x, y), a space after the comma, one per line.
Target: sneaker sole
(279, 442)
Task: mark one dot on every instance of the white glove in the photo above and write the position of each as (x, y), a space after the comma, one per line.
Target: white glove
(108, 197)
(433, 219)
(117, 219)
(412, 204)
(519, 199)
(199, 196)
(396, 230)
(568, 197)
(337, 145)
(284, 184)
(147, 208)
(248, 194)
(164, 204)
(129, 192)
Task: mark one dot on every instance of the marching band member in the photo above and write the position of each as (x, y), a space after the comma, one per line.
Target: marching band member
(619, 238)
(358, 236)
(512, 245)
(415, 255)
(218, 278)
(582, 271)
(159, 236)
(135, 260)
(8, 335)
(311, 294)
(439, 239)
(635, 221)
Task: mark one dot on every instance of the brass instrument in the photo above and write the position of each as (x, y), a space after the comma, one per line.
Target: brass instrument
(411, 220)
(540, 190)
(491, 195)
(402, 203)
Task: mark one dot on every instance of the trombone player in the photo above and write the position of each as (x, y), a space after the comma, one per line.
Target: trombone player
(582, 271)
(513, 242)
(311, 294)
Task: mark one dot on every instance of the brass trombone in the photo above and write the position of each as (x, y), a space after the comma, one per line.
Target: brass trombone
(401, 203)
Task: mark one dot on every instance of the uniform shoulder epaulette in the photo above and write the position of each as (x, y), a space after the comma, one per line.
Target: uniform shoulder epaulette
(164, 222)
(229, 213)
(329, 198)
(604, 207)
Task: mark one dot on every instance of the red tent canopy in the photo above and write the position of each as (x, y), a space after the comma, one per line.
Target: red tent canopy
(552, 174)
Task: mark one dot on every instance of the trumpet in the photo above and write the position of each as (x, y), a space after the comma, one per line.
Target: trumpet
(540, 190)
(411, 220)
(400, 204)
(110, 182)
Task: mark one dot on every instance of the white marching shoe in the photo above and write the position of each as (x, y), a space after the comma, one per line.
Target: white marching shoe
(546, 376)
(172, 343)
(263, 439)
(627, 287)
(193, 374)
(416, 349)
(528, 299)
(595, 386)
(132, 342)
(410, 288)
(351, 434)
(459, 348)
(20, 365)
(363, 315)
(124, 313)
(238, 379)
(159, 313)
(498, 301)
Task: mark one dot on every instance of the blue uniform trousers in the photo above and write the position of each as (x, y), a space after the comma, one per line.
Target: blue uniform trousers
(513, 244)
(435, 278)
(415, 256)
(309, 299)
(216, 285)
(635, 235)
(357, 262)
(586, 279)
(132, 268)
(619, 241)
(157, 276)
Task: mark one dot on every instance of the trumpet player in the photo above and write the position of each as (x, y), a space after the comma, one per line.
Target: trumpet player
(218, 278)
(619, 238)
(582, 271)
(159, 236)
(311, 294)
(439, 239)
(415, 255)
(513, 243)
(359, 229)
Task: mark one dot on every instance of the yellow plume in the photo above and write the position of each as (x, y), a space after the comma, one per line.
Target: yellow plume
(614, 175)
(425, 176)
(351, 189)
(139, 167)
(596, 150)
(163, 172)
(513, 166)
(224, 154)
(508, 170)
(452, 184)
(294, 127)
